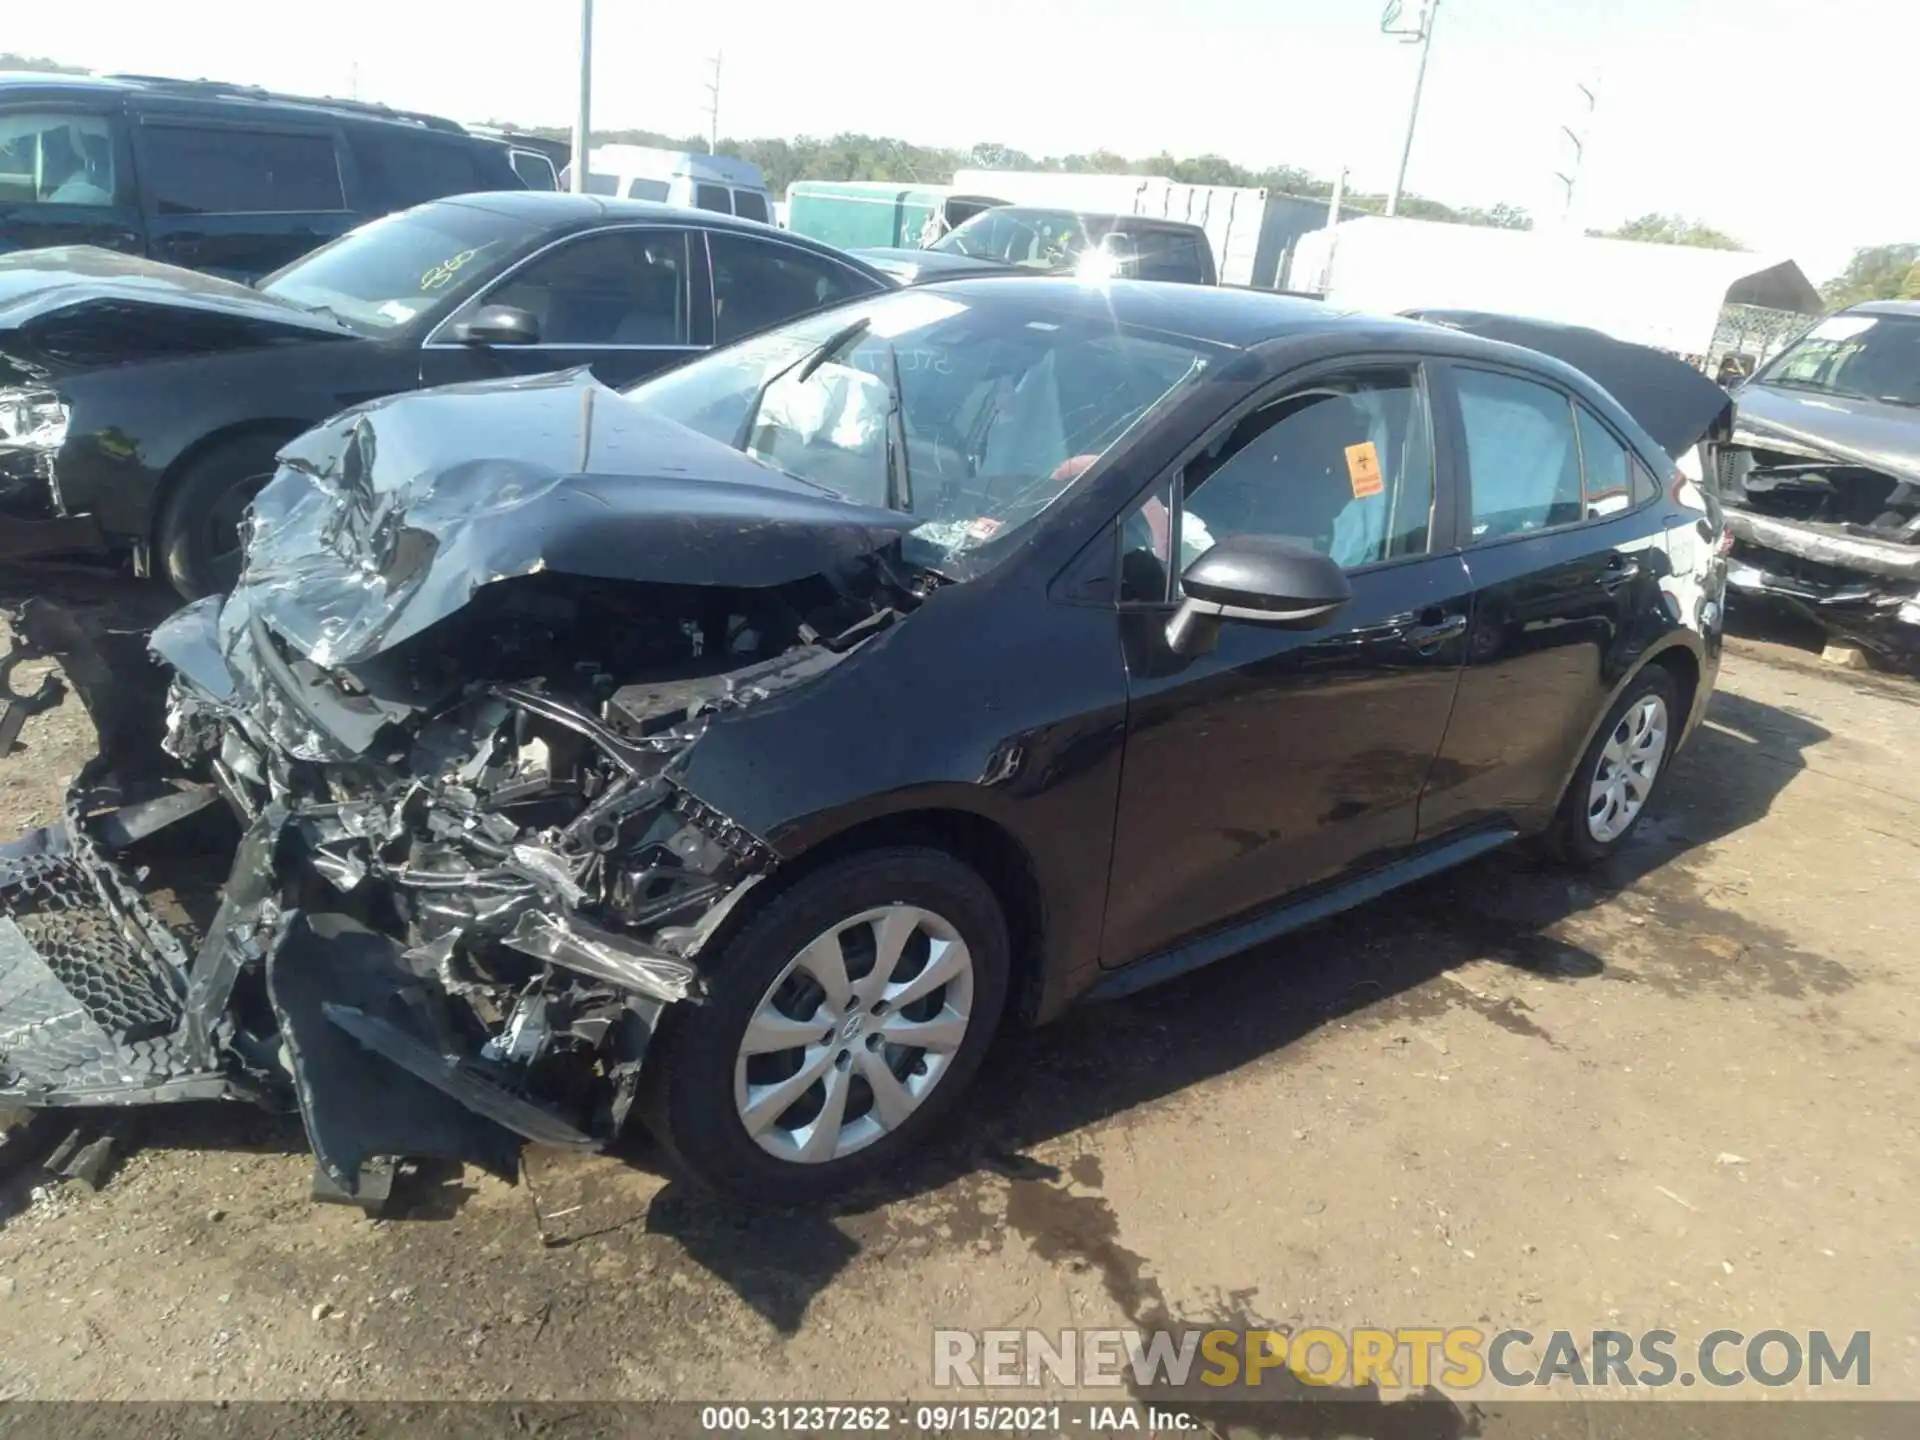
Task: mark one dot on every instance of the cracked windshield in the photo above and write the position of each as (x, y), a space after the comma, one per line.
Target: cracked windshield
(973, 416)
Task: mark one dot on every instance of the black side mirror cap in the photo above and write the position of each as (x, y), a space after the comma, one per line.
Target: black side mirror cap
(499, 325)
(1259, 579)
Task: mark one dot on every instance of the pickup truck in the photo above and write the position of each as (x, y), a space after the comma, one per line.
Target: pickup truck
(1026, 239)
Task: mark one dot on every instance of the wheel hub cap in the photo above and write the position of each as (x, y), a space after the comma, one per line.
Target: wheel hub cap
(854, 1034)
(1623, 777)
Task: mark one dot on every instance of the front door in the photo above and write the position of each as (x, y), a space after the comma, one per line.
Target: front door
(1286, 759)
(65, 180)
(620, 301)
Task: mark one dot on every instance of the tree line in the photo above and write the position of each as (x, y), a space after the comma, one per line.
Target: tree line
(1878, 272)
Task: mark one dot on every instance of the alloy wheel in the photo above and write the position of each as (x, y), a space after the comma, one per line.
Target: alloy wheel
(1629, 761)
(854, 1034)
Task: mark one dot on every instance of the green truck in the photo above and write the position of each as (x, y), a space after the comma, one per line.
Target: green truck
(856, 213)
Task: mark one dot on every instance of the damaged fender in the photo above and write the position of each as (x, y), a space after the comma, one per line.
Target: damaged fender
(430, 759)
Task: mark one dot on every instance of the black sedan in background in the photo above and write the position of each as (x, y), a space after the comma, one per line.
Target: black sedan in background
(141, 405)
(741, 750)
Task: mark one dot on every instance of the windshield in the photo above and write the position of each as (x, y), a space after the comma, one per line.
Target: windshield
(974, 415)
(1039, 239)
(1868, 357)
(387, 273)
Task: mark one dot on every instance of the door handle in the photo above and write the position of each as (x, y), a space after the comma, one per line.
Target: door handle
(1619, 570)
(1426, 637)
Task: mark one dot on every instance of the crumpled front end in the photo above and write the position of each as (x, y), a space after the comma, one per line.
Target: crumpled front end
(1828, 530)
(453, 879)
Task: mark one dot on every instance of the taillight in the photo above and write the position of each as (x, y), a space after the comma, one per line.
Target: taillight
(1724, 546)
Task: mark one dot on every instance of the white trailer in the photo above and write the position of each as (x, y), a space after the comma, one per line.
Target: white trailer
(1666, 296)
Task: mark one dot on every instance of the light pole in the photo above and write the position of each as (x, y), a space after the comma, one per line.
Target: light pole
(1422, 35)
(583, 118)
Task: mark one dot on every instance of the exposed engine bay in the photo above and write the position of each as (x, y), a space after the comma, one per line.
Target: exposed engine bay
(1830, 537)
(396, 835)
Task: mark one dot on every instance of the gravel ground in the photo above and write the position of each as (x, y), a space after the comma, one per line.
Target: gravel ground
(1678, 1093)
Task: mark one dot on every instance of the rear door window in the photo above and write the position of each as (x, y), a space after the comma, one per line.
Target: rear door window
(751, 205)
(1523, 460)
(534, 169)
(713, 197)
(639, 189)
(1169, 255)
(757, 283)
(56, 158)
(409, 170)
(219, 170)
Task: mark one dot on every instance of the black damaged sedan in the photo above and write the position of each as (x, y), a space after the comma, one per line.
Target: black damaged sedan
(742, 751)
(142, 404)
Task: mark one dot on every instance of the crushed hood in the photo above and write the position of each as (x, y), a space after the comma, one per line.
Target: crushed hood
(1674, 403)
(76, 307)
(1831, 427)
(392, 516)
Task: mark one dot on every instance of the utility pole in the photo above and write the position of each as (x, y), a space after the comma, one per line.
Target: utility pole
(1576, 137)
(583, 117)
(713, 108)
(1422, 35)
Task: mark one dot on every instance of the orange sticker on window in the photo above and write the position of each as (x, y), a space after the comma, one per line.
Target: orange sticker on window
(1363, 469)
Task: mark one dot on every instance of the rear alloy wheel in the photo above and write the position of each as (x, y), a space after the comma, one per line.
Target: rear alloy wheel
(1621, 769)
(842, 1022)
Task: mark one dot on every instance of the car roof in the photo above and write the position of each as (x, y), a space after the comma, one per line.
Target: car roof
(563, 210)
(1220, 314)
(218, 92)
(1104, 217)
(1885, 307)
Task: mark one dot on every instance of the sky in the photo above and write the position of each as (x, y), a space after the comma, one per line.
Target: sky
(1779, 121)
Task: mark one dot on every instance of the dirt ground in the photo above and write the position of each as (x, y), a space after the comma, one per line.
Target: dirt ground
(1679, 1093)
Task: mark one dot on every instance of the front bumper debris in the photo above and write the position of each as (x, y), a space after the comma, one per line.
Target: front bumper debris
(392, 949)
(1831, 539)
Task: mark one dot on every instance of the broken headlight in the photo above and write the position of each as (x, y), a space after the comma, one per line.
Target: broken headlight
(33, 426)
(32, 420)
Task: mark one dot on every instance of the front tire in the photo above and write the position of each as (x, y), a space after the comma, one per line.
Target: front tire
(198, 537)
(842, 1025)
(1620, 772)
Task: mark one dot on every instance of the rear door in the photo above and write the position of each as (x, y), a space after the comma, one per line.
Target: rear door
(239, 200)
(626, 302)
(1565, 553)
(66, 177)
(1287, 759)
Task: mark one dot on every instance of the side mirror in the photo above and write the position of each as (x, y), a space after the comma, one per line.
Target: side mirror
(1260, 579)
(499, 325)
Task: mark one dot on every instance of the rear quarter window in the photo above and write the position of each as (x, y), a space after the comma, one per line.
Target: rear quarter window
(406, 170)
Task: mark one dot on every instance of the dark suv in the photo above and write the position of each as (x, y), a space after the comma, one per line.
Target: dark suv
(228, 179)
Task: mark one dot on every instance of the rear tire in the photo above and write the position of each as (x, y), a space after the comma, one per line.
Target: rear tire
(197, 538)
(1621, 771)
(753, 1117)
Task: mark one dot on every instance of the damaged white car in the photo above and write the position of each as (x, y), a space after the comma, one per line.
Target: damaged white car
(1821, 482)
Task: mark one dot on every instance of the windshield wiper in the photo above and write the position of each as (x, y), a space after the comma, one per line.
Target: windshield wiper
(899, 479)
(806, 365)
